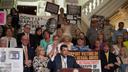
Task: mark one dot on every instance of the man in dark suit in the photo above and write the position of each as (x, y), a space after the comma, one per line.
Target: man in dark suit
(28, 54)
(63, 60)
(27, 33)
(108, 59)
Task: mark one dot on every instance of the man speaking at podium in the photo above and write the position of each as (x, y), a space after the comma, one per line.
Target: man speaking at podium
(63, 60)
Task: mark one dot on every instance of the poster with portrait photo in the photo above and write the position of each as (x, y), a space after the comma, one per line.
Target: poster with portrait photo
(11, 60)
(14, 55)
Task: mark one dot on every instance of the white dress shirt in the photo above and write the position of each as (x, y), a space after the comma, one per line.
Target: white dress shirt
(49, 49)
(64, 62)
(13, 42)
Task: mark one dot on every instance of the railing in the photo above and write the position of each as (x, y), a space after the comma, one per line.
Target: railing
(91, 5)
(99, 7)
(88, 9)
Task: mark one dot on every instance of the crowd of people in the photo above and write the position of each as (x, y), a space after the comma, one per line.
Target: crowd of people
(47, 51)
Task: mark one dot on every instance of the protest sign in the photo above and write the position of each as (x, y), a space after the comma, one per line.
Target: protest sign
(34, 21)
(11, 60)
(2, 18)
(88, 60)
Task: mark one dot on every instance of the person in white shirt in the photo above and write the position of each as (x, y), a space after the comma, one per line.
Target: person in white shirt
(11, 41)
(52, 49)
(26, 32)
(63, 60)
(66, 40)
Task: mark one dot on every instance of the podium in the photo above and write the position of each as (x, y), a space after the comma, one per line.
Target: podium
(74, 70)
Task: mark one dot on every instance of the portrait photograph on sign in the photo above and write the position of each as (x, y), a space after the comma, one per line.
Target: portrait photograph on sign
(2, 56)
(14, 55)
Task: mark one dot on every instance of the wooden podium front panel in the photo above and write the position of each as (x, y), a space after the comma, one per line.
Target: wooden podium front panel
(72, 70)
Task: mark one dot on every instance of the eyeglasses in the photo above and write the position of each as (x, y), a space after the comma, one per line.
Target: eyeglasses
(27, 28)
(119, 38)
(25, 39)
(56, 39)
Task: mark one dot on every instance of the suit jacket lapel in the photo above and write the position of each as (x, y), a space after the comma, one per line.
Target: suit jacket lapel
(108, 57)
(68, 62)
(59, 63)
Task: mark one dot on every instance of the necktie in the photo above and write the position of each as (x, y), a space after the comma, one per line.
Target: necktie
(26, 53)
(8, 43)
(26, 34)
(106, 56)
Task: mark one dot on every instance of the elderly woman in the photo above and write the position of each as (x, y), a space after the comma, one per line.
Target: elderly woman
(11, 41)
(40, 61)
(123, 59)
(119, 44)
(66, 39)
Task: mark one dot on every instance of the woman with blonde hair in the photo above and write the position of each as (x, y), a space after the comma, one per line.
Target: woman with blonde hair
(119, 44)
(123, 59)
(40, 61)
(66, 39)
